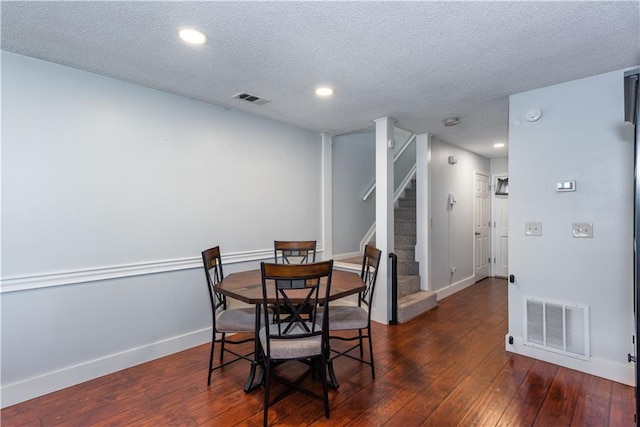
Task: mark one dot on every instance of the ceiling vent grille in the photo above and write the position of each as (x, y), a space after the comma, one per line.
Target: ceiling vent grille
(252, 99)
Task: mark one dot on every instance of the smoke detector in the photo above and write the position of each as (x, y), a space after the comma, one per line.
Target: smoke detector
(451, 121)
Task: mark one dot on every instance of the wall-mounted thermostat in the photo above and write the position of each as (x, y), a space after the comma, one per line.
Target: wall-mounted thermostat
(566, 186)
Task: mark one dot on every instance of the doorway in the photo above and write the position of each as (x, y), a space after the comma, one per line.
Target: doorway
(500, 219)
(481, 215)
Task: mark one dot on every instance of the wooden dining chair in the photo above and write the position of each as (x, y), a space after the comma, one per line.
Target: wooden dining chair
(292, 337)
(294, 251)
(225, 320)
(356, 318)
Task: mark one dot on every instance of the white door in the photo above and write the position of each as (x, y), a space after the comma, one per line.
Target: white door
(500, 231)
(482, 221)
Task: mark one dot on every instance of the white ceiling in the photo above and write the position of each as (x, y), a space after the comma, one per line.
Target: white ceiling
(418, 62)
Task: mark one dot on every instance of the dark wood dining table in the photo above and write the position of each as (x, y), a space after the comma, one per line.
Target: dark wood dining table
(246, 286)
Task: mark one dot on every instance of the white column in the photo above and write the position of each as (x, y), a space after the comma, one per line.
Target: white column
(384, 216)
(423, 158)
(327, 195)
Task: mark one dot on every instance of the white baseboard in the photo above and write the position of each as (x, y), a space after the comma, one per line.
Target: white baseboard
(455, 287)
(57, 380)
(619, 372)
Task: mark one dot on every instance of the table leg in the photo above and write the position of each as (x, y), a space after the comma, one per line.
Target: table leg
(333, 380)
(251, 384)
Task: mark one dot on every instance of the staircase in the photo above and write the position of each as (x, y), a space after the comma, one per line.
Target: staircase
(411, 300)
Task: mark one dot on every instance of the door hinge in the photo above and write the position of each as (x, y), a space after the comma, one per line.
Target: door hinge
(489, 260)
(494, 260)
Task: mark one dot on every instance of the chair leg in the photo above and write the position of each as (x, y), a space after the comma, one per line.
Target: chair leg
(325, 386)
(222, 341)
(213, 341)
(333, 380)
(373, 370)
(267, 384)
(361, 346)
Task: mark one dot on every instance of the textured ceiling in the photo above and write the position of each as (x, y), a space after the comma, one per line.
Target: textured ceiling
(417, 62)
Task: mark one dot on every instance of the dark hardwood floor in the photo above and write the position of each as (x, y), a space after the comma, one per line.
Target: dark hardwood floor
(447, 367)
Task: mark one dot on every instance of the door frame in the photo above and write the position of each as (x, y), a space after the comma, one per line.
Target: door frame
(489, 232)
(494, 229)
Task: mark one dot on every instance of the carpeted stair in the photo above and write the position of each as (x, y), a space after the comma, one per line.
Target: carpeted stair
(411, 300)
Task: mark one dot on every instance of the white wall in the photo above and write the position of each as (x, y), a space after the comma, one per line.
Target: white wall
(499, 165)
(103, 179)
(581, 136)
(457, 179)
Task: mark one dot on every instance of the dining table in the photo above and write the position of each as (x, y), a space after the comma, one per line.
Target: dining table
(246, 286)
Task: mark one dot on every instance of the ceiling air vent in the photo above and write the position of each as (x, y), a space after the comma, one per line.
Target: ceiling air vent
(251, 98)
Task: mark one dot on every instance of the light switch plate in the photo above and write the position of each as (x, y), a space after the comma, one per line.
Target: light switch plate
(533, 229)
(582, 230)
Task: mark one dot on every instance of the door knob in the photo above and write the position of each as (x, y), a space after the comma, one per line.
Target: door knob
(477, 233)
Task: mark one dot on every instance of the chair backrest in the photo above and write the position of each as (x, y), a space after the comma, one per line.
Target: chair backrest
(213, 271)
(369, 274)
(282, 292)
(292, 252)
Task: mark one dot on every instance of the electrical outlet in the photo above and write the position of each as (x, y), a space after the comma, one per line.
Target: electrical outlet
(533, 229)
(582, 230)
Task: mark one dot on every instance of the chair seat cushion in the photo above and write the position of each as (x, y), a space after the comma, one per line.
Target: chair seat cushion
(291, 348)
(236, 320)
(342, 317)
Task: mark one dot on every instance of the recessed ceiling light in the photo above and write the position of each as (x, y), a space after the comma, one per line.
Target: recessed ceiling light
(192, 36)
(498, 144)
(324, 91)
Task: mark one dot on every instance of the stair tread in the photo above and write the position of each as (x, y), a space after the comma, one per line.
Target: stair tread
(415, 296)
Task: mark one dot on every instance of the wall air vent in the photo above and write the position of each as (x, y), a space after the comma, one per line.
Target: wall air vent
(252, 99)
(558, 327)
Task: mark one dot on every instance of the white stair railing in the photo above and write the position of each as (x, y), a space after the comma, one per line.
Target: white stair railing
(372, 188)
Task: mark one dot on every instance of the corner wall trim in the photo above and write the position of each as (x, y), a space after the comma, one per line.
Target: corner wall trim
(45, 280)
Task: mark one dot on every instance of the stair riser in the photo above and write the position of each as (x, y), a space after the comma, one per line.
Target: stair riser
(416, 306)
(404, 214)
(410, 193)
(405, 254)
(404, 240)
(408, 285)
(407, 204)
(408, 268)
(405, 228)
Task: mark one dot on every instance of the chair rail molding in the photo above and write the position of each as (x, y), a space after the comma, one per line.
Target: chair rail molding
(71, 277)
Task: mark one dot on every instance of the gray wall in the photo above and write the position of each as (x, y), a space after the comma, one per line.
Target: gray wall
(581, 136)
(110, 191)
(452, 229)
(354, 163)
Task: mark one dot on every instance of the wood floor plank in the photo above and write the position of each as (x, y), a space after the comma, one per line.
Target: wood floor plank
(525, 405)
(446, 367)
(491, 405)
(560, 403)
(594, 401)
(622, 405)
